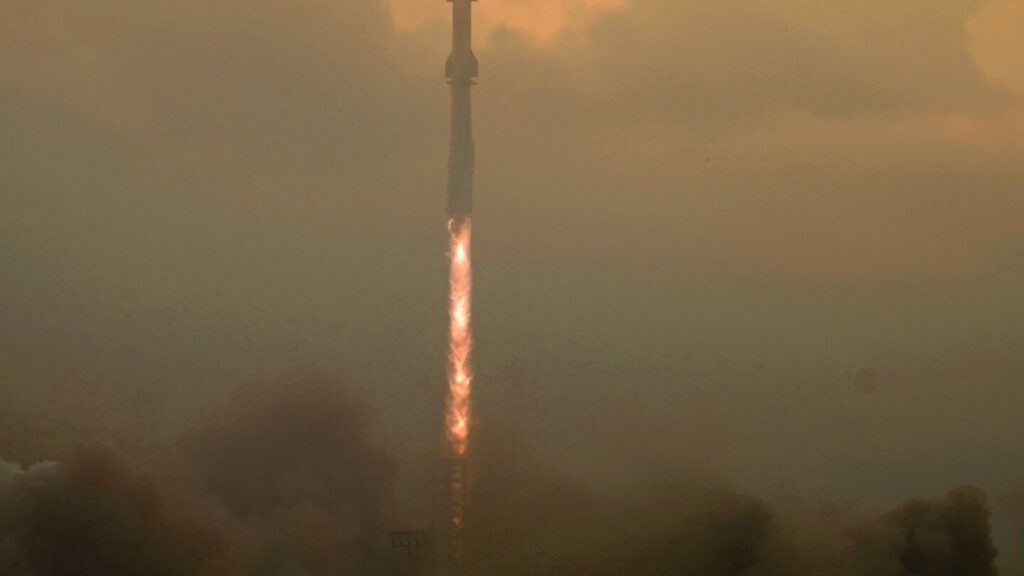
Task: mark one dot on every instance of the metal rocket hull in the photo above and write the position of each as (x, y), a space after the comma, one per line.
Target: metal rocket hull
(461, 70)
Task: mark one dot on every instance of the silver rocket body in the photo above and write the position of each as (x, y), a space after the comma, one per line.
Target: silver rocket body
(461, 70)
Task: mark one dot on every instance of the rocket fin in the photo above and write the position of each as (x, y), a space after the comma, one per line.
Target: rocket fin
(452, 71)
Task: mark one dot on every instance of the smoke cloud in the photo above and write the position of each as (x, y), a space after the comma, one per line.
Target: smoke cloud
(527, 519)
(279, 479)
(283, 478)
(950, 535)
(291, 462)
(1016, 505)
(91, 516)
(697, 222)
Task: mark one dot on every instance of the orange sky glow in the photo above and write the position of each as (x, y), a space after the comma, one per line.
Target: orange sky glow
(997, 42)
(538, 19)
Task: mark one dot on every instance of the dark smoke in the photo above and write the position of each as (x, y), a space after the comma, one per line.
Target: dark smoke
(1012, 503)
(945, 537)
(1015, 503)
(522, 517)
(285, 479)
(529, 520)
(291, 462)
(281, 479)
(710, 531)
(547, 525)
(91, 517)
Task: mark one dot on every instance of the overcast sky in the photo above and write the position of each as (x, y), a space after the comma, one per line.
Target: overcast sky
(780, 243)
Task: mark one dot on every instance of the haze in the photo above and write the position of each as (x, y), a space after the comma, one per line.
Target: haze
(779, 245)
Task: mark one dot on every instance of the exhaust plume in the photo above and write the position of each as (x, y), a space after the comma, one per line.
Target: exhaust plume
(460, 337)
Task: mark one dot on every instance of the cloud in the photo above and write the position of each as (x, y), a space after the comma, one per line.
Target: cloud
(537, 20)
(772, 124)
(1016, 499)
(199, 192)
(995, 42)
(721, 137)
(703, 66)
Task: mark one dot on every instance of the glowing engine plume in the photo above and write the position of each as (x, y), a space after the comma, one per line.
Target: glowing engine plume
(460, 335)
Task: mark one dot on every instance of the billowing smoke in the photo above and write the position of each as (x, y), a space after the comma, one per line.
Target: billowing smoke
(528, 520)
(11, 474)
(1012, 503)
(284, 478)
(92, 517)
(940, 537)
(1015, 502)
(292, 464)
(281, 479)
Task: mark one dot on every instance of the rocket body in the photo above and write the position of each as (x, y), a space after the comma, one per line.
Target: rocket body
(461, 70)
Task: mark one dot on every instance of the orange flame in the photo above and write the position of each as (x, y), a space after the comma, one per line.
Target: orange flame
(460, 336)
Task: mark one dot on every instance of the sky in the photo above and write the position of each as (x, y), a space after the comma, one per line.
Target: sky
(776, 243)
(541, 22)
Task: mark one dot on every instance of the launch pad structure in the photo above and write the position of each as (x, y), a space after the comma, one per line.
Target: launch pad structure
(450, 514)
(439, 550)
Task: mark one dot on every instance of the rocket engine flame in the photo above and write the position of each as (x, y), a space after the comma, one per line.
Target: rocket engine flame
(460, 335)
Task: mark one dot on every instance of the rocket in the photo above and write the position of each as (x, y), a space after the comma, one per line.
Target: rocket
(462, 65)
(461, 70)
